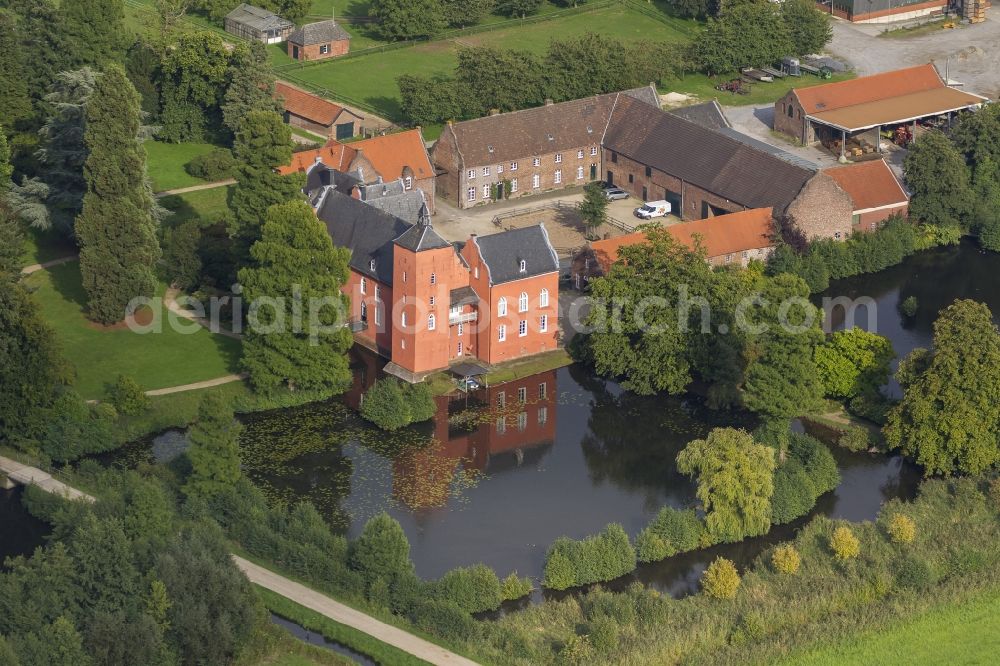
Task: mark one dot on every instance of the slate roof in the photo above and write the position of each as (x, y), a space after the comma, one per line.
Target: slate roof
(260, 19)
(705, 158)
(707, 114)
(364, 230)
(421, 236)
(504, 251)
(791, 158)
(322, 32)
(306, 105)
(541, 130)
(462, 296)
(404, 204)
(321, 176)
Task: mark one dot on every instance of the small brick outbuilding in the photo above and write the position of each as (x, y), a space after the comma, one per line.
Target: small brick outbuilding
(317, 41)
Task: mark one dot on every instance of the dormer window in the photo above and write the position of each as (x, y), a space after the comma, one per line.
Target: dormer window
(551, 138)
(371, 264)
(590, 130)
(523, 266)
(490, 148)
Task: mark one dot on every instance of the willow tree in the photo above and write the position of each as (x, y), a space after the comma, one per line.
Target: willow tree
(117, 229)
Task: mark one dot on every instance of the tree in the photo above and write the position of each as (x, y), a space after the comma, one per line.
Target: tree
(844, 544)
(295, 252)
(580, 66)
(518, 8)
(406, 19)
(194, 74)
(853, 362)
(31, 366)
(746, 35)
(214, 449)
(977, 135)
(721, 580)
(391, 405)
(56, 644)
(262, 144)
(169, 14)
(142, 64)
(42, 33)
(74, 429)
(427, 100)
(939, 180)
(16, 107)
(948, 418)
(96, 31)
(6, 170)
(461, 13)
(688, 8)
(116, 230)
(105, 571)
(56, 199)
(808, 28)
(251, 85)
(501, 79)
(127, 396)
(783, 382)
(735, 478)
(594, 207)
(381, 551)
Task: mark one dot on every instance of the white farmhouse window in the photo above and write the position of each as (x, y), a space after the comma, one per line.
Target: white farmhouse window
(593, 151)
(579, 173)
(513, 185)
(486, 191)
(486, 171)
(471, 174)
(408, 183)
(537, 161)
(502, 307)
(536, 181)
(579, 154)
(543, 323)
(431, 322)
(522, 302)
(522, 328)
(543, 298)
(324, 49)
(558, 158)
(558, 178)
(513, 166)
(471, 194)
(502, 333)
(364, 286)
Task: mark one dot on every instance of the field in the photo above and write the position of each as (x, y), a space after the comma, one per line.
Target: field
(166, 161)
(372, 78)
(204, 204)
(967, 633)
(155, 360)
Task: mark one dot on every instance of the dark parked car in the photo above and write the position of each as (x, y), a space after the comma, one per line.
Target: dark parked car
(615, 193)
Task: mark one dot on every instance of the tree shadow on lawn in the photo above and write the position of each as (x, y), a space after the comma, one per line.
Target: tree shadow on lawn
(388, 107)
(180, 210)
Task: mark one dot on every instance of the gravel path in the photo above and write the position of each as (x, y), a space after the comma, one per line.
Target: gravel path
(196, 188)
(34, 268)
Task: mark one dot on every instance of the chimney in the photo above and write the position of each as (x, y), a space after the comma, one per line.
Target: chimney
(548, 101)
(494, 112)
(356, 193)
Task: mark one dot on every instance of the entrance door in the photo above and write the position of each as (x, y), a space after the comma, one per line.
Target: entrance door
(593, 172)
(645, 193)
(345, 131)
(611, 179)
(295, 52)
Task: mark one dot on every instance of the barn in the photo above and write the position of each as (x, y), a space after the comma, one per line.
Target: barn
(258, 24)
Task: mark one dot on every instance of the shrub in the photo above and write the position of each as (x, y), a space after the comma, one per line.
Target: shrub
(914, 573)
(603, 634)
(902, 529)
(672, 531)
(217, 164)
(74, 428)
(909, 306)
(474, 589)
(381, 550)
(855, 438)
(444, 618)
(721, 580)
(127, 396)
(794, 494)
(576, 650)
(392, 405)
(786, 559)
(559, 573)
(513, 587)
(818, 461)
(602, 557)
(844, 544)
(989, 236)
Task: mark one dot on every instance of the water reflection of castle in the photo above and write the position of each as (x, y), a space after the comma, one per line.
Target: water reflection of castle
(490, 430)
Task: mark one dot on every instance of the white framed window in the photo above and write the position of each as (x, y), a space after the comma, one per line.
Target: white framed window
(746, 254)
(501, 425)
(459, 348)
(543, 415)
(513, 166)
(432, 300)
(536, 181)
(558, 158)
(363, 286)
(402, 343)
(579, 154)
(402, 320)
(579, 173)
(729, 258)
(502, 307)
(502, 400)
(522, 302)
(486, 171)
(471, 174)
(558, 176)
(471, 194)
(364, 311)
(543, 391)
(522, 395)
(434, 278)
(593, 151)
(475, 272)
(378, 292)
(461, 330)
(371, 264)
(404, 276)
(431, 322)
(543, 323)
(408, 183)
(536, 161)
(486, 191)
(324, 49)
(513, 185)
(502, 334)
(522, 328)
(378, 313)
(543, 298)
(499, 168)
(522, 421)
(522, 266)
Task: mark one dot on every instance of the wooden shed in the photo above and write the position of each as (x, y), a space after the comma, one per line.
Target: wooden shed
(258, 24)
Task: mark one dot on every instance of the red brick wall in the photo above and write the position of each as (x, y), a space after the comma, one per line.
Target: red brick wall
(378, 337)
(322, 130)
(797, 126)
(870, 221)
(444, 156)
(312, 51)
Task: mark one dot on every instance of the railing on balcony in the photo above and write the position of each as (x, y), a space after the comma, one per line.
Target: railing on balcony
(463, 318)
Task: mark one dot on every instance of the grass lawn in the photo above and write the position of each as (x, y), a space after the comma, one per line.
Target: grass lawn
(41, 246)
(155, 360)
(372, 78)
(206, 204)
(761, 93)
(966, 633)
(166, 161)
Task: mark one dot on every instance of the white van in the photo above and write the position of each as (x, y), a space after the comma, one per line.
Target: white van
(651, 209)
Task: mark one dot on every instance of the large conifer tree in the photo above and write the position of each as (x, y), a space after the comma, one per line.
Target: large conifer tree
(15, 106)
(295, 250)
(215, 449)
(95, 30)
(116, 230)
